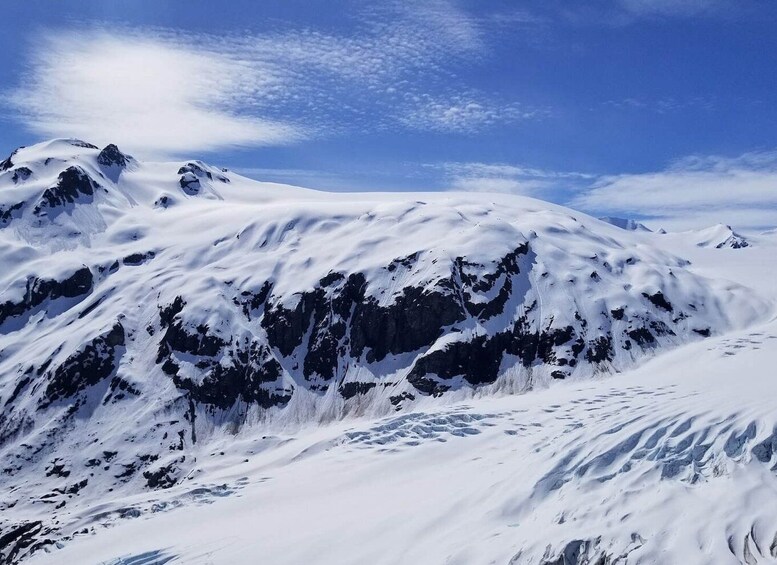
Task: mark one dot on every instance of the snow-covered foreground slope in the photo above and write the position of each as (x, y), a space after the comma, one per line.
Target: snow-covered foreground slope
(201, 367)
(669, 463)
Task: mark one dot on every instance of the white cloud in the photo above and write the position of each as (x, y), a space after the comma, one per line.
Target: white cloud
(146, 92)
(468, 113)
(694, 192)
(160, 90)
(500, 177)
(663, 105)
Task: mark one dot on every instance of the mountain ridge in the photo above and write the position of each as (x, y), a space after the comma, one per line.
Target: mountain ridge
(148, 306)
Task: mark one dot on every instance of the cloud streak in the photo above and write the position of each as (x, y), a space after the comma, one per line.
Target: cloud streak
(158, 90)
(694, 191)
(500, 177)
(146, 91)
(468, 113)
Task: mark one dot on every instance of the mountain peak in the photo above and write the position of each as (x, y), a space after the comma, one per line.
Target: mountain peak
(111, 156)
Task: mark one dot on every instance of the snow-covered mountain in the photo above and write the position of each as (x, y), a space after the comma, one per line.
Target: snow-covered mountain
(158, 317)
(625, 223)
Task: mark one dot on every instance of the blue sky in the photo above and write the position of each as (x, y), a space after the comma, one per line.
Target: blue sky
(662, 109)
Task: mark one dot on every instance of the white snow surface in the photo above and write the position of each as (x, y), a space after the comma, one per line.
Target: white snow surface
(662, 456)
(625, 223)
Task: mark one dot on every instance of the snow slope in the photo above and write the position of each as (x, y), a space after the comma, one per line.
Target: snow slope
(174, 336)
(625, 223)
(669, 463)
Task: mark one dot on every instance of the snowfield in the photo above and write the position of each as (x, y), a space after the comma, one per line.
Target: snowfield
(200, 368)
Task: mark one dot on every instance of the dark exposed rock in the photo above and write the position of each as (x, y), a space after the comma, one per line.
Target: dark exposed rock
(163, 477)
(580, 552)
(337, 324)
(660, 328)
(191, 176)
(79, 143)
(15, 539)
(642, 336)
(241, 376)
(8, 213)
(111, 156)
(506, 268)
(349, 390)
(39, 290)
(397, 399)
(658, 300)
(704, 332)
(119, 389)
(734, 242)
(184, 339)
(163, 201)
(195, 169)
(58, 469)
(240, 373)
(169, 312)
(199, 171)
(406, 262)
(477, 361)
(600, 350)
(250, 301)
(97, 360)
(7, 163)
(20, 386)
(138, 258)
(72, 184)
(190, 184)
(331, 313)
(416, 318)
(21, 174)
(129, 470)
(427, 385)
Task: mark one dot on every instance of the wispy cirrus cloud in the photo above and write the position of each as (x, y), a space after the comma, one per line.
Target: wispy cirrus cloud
(160, 90)
(501, 177)
(693, 192)
(147, 91)
(464, 113)
(663, 105)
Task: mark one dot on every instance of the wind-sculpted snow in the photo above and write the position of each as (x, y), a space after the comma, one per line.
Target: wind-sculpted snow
(147, 309)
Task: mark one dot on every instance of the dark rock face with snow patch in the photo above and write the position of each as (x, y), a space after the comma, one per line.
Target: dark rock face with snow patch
(111, 156)
(39, 290)
(84, 368)
(73, 185)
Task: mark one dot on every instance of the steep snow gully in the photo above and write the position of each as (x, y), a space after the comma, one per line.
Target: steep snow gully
(323, 377)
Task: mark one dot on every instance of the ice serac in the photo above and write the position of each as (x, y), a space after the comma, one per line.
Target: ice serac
(145, 310)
